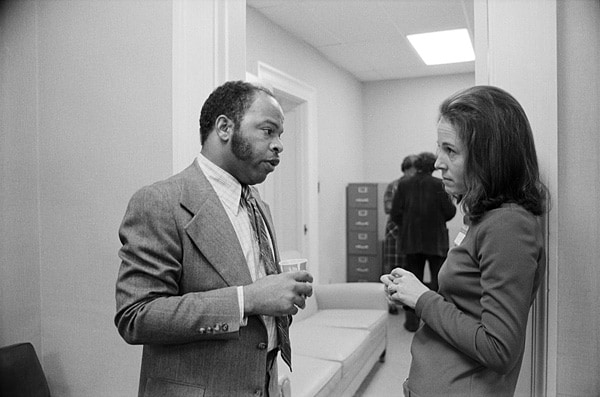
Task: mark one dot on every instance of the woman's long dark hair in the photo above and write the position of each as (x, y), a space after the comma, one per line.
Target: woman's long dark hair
(501, 164)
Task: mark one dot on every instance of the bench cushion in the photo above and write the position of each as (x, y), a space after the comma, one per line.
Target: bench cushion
(361, 319)
(311, 376)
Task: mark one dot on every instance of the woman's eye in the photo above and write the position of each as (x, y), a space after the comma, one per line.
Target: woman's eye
(444, 150)
(449, 150)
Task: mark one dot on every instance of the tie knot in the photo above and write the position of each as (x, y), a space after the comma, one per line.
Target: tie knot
(247, 193)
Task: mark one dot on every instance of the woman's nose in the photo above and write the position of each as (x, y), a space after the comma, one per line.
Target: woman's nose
(439, 164)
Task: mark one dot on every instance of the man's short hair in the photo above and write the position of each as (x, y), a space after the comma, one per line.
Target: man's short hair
(408, 162)
(425, 162)
(231, 99)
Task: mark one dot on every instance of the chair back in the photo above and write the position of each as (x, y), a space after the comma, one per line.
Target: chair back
(21, 374)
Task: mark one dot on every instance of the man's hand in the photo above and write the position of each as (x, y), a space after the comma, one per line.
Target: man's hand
(278, 294)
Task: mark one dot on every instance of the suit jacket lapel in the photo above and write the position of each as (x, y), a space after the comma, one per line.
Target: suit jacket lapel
(210, 228)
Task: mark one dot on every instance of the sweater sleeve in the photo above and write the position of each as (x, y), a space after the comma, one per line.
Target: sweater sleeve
(507, 252)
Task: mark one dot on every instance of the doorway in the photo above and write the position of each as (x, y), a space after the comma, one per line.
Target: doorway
(292, 191)
(284, 187)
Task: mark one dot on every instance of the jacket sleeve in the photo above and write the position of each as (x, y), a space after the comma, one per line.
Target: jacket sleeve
(152, 307)
(508, 255)
(397, 207)
(388, 196)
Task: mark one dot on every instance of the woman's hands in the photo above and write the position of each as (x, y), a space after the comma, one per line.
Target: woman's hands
(403, 287)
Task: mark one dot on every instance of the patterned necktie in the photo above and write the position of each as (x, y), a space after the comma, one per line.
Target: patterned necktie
(267, 259)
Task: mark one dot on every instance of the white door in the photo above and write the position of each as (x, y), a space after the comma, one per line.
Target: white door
(292, 190)
(287, 206)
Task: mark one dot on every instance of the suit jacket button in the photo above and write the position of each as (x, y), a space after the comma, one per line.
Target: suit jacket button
(262, 346)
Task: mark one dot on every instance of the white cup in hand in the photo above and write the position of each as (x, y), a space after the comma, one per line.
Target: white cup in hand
(293, 265)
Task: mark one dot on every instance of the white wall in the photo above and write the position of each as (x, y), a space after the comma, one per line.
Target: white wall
(88, 106)
(400, 118)
(339, 119)
(578, 199)
(105, 130)
(20, 304)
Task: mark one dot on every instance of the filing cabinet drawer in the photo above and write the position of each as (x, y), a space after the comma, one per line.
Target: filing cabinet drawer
(365, 231)
(362, 218)
(362, 242)
(362, 195)
(363, 268)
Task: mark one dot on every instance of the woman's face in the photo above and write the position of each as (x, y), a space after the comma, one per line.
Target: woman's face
(451, 155)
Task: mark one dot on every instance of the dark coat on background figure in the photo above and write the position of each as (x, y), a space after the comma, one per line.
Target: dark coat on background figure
(421, 208)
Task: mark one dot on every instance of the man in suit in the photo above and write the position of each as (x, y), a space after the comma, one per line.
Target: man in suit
(199, 285)
(421, 208)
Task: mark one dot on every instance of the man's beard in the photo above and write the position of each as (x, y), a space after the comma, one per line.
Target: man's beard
(240, 147)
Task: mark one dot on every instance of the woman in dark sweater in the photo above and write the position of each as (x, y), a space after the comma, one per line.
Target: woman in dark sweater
(472, 337)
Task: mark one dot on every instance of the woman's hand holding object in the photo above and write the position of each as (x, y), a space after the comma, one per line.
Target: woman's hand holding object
(403, 287)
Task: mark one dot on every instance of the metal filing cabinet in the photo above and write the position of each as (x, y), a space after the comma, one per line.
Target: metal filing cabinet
(365, 221)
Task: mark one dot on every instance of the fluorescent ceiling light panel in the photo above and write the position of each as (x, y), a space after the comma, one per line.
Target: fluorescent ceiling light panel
(438, 48)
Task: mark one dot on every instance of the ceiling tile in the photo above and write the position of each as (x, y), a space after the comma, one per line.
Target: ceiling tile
(293, 17)
(360, 21)
(417, 16)
(354, 58)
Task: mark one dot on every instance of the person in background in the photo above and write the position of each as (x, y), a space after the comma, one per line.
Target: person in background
(472, 338)
(391, 257)
(199, 283)
(421, 209)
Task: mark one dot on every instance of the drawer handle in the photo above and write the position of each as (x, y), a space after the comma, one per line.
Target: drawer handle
(362, 200)
(362, 269)
(361, 247)
(363, 259)
(363, 213)
(363, 189)
(361, 223)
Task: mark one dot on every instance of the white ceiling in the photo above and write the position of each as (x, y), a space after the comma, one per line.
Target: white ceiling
(368, 37)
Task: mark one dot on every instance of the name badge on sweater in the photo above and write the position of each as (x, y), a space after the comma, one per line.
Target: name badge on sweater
(461, 235)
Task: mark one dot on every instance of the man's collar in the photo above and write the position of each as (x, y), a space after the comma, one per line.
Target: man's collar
(226, 186)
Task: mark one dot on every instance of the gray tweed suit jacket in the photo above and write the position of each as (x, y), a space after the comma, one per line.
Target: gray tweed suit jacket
(176, 293)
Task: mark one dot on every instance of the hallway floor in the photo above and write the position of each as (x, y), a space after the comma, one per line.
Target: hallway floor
(385, 379)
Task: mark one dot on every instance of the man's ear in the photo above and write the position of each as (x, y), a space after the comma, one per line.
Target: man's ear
(224, 127)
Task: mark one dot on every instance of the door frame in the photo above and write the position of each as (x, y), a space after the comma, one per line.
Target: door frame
(305, 99)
